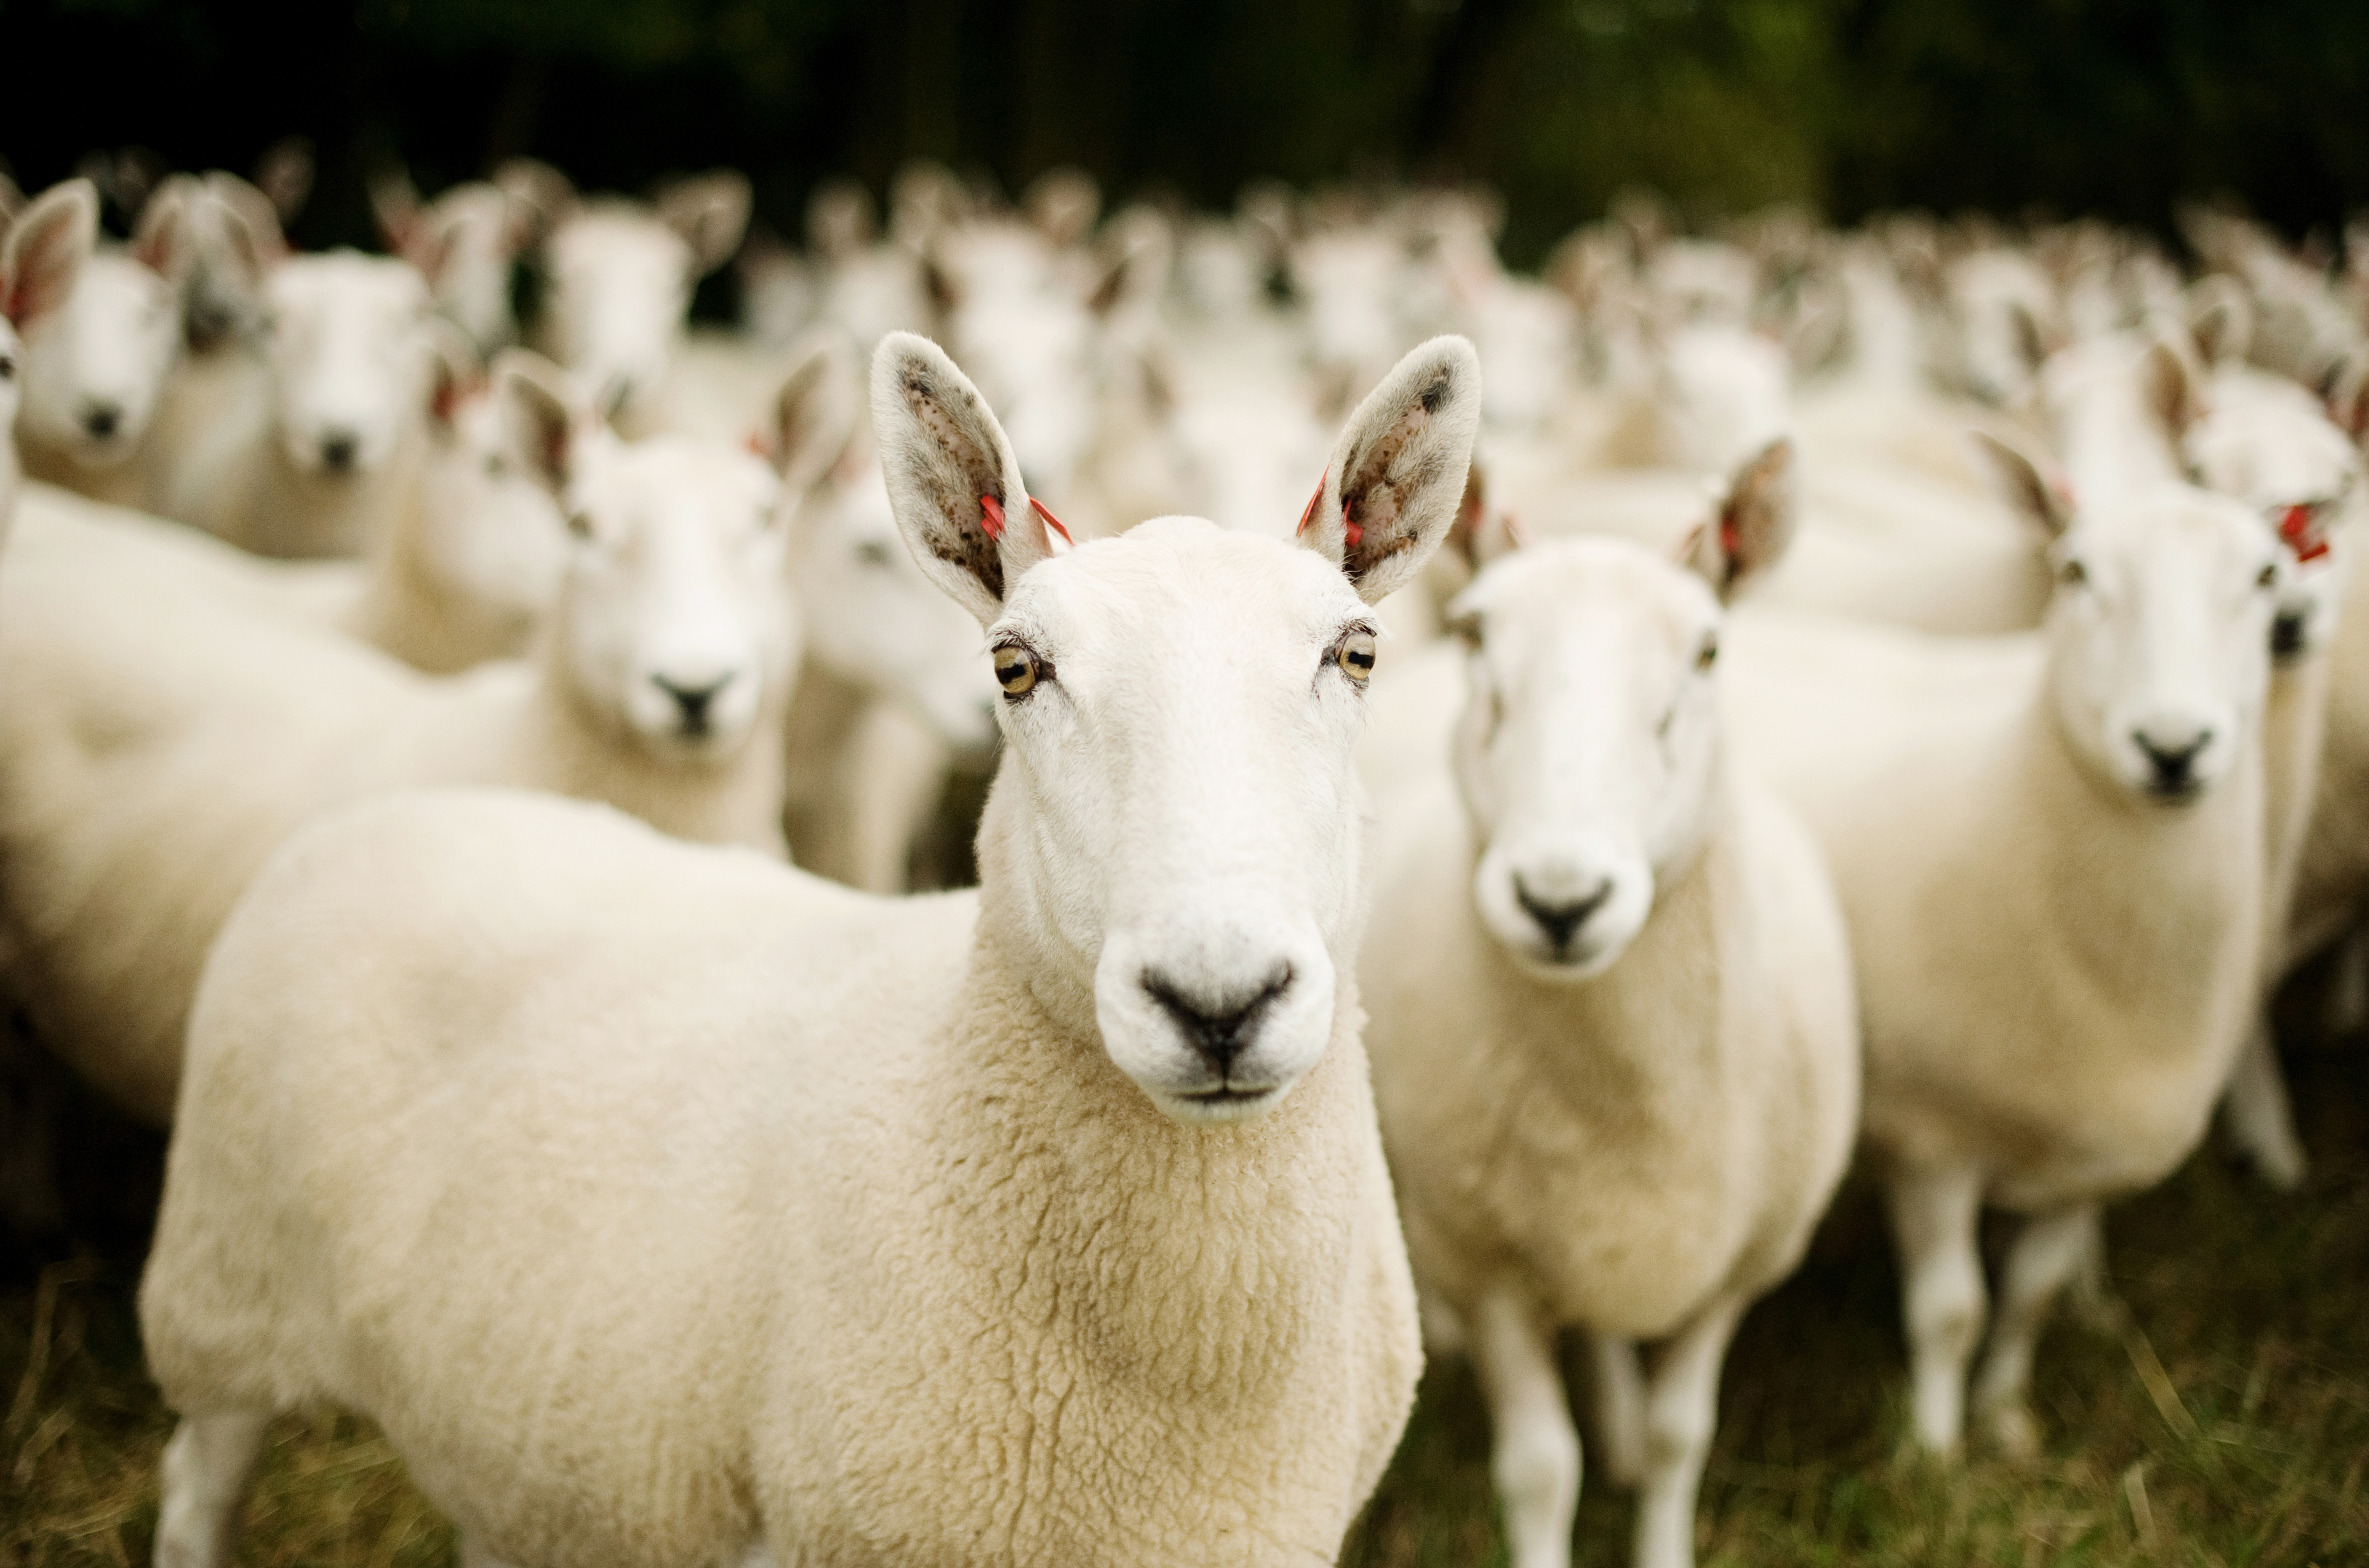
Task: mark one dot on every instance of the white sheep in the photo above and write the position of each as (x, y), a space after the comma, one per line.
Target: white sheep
(2050, 852)
(100, 329)
(303, 449)
(167, 723)
(464, 244)
(1614, 1041)
(1044, 1224)
(12, 387)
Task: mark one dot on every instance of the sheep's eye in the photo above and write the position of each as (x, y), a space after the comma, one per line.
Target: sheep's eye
(1015, 669)
(579, 523)
(2072, 574)
(494, 466)
(873, 553)
(1467, 629)
(1354, 655)
(1707, 655)
(7, 367)
(2269, 577)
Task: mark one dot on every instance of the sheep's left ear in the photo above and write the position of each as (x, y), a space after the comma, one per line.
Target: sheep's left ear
(1398, 473)
(711, 213)
(1754, 524)
(166, 239)
(953, 481)
(2347, 395)
(814, 412)
(46, 248)
(453, 369)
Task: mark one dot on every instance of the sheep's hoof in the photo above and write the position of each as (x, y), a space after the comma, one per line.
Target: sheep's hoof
(2014, 1433)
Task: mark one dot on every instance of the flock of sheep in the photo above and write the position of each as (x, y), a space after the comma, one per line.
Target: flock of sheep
(1667, 753)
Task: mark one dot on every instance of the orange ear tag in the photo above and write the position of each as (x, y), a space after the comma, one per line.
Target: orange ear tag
(992, 516)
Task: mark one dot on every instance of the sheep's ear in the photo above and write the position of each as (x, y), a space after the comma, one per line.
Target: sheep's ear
(1397, 476)
(284, 174)
(47, 245)
(1754, 525)
(711, 213)
(2173, 384)
(12, 201)
(2033, 341)
(2348, 395)
(1481, 534)
(166, 241)
(1135, 266)
(840, 219)
(254, 211)
(2221, 319)
(815, 413)
(394, 202)
(953, 481)
(545, 195)
(1064, 204)
(2031, 484)
(453, 369)
(542, 412)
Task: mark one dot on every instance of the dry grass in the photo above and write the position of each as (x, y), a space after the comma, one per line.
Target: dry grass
(2250, 1316)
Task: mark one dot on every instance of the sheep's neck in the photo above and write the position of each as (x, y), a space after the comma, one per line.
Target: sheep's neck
(2295, 726)
(823, 715)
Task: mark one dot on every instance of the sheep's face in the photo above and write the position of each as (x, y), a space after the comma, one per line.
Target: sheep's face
(476, 231)
(93, 367)
(876, 620)
(2271, 445)
(2000, 306)
(2160, 637)
(617, 283)
(1587, 750)
(1172, 852)
(1724, 395)
(491, 534)
(675, 619)
(1020, 322)
(351, 360)
(1181, 706)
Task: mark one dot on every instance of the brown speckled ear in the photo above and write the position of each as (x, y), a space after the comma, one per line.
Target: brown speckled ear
(814, 412)
(1753, 525)
(1398, 471)
(953, 481)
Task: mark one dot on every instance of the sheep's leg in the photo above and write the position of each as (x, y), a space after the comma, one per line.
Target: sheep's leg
(1536, 1461)
(208, 1464)
(2348, 990)
(1933, 1219)
(1681, 1412)
(2256, 1114)
(1620, 1407)
(2044, 1260)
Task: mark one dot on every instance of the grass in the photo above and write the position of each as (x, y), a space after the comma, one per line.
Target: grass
(2227, 1424)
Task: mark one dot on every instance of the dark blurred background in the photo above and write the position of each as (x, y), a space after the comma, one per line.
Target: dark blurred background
(2116, 108)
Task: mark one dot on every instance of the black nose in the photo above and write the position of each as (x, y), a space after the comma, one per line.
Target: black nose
(102, 420)
(2175, 766)
(692, 700)
(2286, 635)
(339, 450)
(1219, 1030)
(1560, 922)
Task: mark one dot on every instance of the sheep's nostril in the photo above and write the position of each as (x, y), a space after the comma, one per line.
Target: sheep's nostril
(693, 702)
(2173, 764)
(339, 451)
(1561, 919)
(102, 420)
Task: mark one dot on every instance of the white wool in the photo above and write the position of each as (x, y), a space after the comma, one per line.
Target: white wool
(1614, 1047)
(1084, 1166)
(169, 722)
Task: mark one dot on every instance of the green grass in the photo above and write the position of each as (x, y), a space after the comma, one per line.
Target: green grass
(2253, 1449)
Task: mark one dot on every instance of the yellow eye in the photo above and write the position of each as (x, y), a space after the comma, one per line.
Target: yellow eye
(1015, 669)
(1708, 654)
(1356, 656)
(2269, 577)
(2072, 574)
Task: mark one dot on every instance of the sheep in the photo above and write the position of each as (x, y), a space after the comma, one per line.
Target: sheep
(617, 278)
(166, 723)
(100, 329)
(464, 243)
(1047, 1223)
(11, 395)
(303, 450)
(1612, 1026)
(2050, 850)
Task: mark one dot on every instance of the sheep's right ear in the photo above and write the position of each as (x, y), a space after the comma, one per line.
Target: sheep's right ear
(952, 482)
(12, 201)
(47, 245)
(453, 368)
(1754, 525)
(394, 202)
(2033, 486)
(815, 413)
(548, 196)
(2221, 319)
(542, 412)
(1064, 204)
(1481, 534)
(841, 219)
(711, 213)
(2173, 384)
(166, 241)
(253, 212)
(1397, 476)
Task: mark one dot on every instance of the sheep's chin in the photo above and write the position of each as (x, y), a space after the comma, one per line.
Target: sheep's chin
(1232, 1110)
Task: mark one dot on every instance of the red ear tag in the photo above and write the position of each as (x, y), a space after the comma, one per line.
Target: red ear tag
(1727, 535)
(1050, 521)
(2295, 528)
(992, 516)
(1350, 531)
(1308, 513)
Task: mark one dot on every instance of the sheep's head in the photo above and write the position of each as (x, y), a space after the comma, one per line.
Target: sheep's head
(100, 328)
(2160, 629)
(1173, 848)
(1587, 751)
(352, 360)
(2272, 445)
(872, 617)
